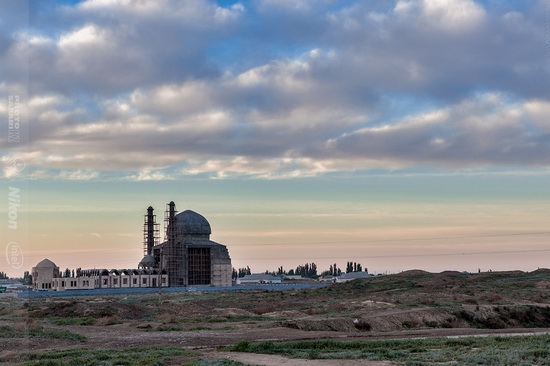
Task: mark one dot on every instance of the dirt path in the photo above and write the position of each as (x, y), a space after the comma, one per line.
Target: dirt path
(273, 360)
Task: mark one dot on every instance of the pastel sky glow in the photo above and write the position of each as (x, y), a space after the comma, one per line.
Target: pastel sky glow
(399, 134)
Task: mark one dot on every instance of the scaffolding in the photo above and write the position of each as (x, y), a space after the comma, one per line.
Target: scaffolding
(151, 232)
(200, 266)
(174, 251)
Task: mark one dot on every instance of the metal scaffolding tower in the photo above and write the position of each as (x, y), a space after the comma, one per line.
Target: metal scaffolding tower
(174, 251)
(151, 231)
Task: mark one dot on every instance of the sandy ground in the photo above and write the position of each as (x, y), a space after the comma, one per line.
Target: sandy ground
(273, 360)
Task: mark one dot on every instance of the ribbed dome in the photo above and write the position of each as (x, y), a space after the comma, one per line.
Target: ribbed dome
(148, 260)
(191, 223)
(46, 263)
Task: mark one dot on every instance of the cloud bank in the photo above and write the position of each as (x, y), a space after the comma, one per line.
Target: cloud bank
(162, 89)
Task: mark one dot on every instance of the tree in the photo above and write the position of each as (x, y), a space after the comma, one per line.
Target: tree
(242, 272)
(27, 278)
(3, 276)
(353, 267)
(312, 273)
(307, 270)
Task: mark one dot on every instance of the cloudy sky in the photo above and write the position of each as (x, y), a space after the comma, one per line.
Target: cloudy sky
(400, 134)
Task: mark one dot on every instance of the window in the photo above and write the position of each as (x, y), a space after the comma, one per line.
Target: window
(163, 280)
(124, 281)
(105, 281)
(145, 281)
(115, 281)
(134, 281)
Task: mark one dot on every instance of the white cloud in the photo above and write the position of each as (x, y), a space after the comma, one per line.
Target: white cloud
(487, 130)
(150, 175)
(78, 175)
(451, 15)
(538, 112)
(454, 14)
(88, 36)
(278, 88)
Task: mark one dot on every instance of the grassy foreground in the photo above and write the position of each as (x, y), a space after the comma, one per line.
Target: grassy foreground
(157, 356)
(38, 332)
(502, 351)
(106, 357)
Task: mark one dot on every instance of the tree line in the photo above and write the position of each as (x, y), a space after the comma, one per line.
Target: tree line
(307, 270)
(26, 280)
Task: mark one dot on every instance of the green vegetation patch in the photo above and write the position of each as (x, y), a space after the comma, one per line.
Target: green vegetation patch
(215, 363)
(228, 319)
(169, 328)
(506, 351)
(108, 357)
(87, 320)
(39, 332)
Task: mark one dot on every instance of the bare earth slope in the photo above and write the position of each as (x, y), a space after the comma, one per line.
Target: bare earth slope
(409, 304)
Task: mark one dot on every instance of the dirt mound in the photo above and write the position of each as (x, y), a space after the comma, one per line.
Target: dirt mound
(451, 273)
(413, 272)
(232, 313)
(505, 316)
(286, 314)
(541, 271)
(376, 304)
(329, 324)
(75, 309)
(408, 319)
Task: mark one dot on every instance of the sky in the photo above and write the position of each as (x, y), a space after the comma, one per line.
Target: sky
(398, 134)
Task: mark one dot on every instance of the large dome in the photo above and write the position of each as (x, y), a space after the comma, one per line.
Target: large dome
(46, 263)
(191, 223)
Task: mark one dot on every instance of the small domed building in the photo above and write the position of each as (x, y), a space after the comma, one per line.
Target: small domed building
(147, 262)
(43, 274)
